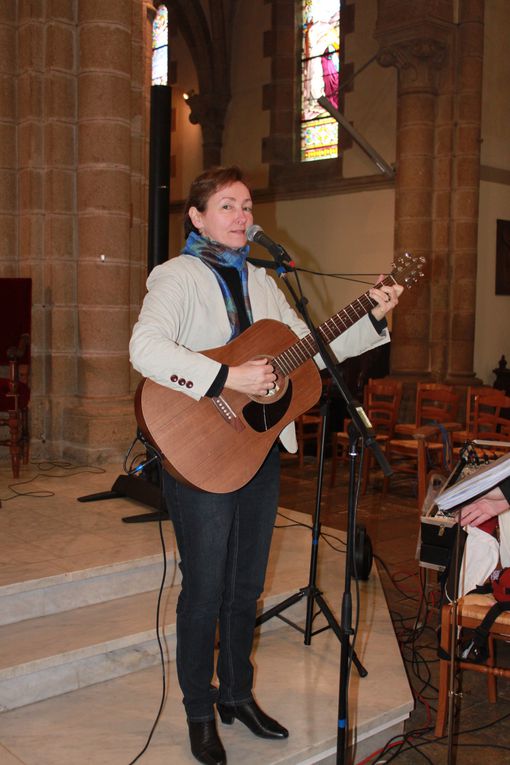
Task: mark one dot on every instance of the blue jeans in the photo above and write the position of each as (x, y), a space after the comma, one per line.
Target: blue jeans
(223, 542)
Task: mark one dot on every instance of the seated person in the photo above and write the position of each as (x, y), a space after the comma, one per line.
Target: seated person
(492, 504)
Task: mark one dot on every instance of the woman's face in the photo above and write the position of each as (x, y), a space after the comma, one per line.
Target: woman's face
(227, 215)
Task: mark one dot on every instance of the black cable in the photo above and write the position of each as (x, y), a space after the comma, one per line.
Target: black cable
(293, 522)
(158, 612)
(388, 572)
(44, 469)
(439, 741)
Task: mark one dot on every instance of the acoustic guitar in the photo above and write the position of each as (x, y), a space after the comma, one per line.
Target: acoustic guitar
(218, 444)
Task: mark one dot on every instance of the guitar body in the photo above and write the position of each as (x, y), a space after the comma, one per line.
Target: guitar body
(219, 444)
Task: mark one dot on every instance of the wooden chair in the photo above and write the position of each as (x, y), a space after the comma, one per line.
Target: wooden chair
(381, 402)
(15, 316)
(472, 393)
(430, 407)
(434, 455)
(309, 426)
(471, 610)
(491, 416)
(430, 443)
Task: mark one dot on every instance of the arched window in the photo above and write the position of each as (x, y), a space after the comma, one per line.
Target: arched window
(160, 46)
(320, 76)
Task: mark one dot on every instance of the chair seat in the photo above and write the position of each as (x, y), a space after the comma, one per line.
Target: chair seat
(410, 446)
(476, 605)
(461, 436)
(405, 428)
(471, 611)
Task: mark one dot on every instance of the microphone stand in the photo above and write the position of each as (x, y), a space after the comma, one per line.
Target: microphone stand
(359, 429)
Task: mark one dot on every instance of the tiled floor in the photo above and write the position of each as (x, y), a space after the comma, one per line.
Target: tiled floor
(57, 533)
(393, 526)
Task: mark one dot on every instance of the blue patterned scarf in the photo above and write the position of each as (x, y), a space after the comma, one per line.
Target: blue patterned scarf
(214, 254)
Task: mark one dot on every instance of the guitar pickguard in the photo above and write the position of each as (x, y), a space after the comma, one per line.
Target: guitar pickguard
(262, 417)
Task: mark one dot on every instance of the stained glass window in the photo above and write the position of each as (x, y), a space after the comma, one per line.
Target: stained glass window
(320, 73)
(160, 47)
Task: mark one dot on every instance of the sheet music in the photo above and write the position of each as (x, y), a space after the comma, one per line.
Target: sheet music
(479, 482)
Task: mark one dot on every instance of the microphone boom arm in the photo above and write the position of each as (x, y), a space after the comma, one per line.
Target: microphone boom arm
(376, 158)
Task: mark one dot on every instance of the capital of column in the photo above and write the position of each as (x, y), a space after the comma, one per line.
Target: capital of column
(417, 61)
(208, 110)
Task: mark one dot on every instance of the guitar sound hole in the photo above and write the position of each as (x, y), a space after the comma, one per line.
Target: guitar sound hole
(262, 417)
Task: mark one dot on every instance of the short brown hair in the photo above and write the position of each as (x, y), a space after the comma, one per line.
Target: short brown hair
(204, 186)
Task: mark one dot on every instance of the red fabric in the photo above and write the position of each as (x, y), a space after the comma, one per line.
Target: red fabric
(489, 526)
(15, 315)
(6, 402)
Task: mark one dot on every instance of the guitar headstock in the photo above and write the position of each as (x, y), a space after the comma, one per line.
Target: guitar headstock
(407, 269)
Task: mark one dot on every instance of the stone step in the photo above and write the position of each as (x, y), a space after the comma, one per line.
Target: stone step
(75, 589)
(70, 630)
(50, 655)
(109, 722)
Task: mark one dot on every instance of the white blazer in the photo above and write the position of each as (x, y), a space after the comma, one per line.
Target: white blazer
(184, 312)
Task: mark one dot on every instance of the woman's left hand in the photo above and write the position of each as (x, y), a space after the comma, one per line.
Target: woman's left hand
(477, 512)
(386, 298)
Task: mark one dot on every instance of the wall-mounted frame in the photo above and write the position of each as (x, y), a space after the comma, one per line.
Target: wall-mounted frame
(503, 257)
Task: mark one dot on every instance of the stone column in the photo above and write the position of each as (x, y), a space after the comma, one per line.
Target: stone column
(28, 257)
(208, 110)
(101, 422)
(437, 186)
(418, 55)
(8, 192)
(465, 190)
(59, 263)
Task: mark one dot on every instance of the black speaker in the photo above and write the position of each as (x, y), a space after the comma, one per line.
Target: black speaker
(363, 557)
(159, 176)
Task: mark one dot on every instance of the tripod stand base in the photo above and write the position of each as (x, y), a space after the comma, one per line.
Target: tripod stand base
(313, 595)
(135, 488)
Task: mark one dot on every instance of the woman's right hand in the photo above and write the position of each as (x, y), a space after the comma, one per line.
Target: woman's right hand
(255, 377)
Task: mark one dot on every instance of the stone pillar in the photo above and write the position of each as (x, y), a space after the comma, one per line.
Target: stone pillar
(8, 192)
(101, 421)
(60, 246)
(28, 257)
(208, 110)
(418, 50)
(465, 190)
(438, 153)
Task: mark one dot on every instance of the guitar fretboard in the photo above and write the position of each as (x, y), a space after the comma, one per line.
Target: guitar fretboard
(306, 347)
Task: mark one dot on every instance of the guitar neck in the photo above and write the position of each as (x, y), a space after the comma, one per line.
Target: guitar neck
(306, 347)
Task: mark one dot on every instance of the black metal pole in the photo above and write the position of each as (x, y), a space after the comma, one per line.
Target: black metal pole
(159, 176)
(346, 610)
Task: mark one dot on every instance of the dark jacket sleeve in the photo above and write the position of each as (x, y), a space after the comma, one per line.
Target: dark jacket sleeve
(505, 488)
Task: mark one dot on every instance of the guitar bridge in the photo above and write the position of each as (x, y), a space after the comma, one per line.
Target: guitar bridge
(228, 414)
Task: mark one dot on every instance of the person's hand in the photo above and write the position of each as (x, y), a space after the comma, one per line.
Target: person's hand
(386, 298)
(255, 377)
(477, 512)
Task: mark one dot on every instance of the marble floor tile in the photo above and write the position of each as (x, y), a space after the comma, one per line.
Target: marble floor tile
(108, 723)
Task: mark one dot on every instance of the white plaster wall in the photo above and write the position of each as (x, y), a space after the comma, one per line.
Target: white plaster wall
(492, 335)
(186, 139)
(334, 234)
(371, 106)
(495, 149)
(246, 124)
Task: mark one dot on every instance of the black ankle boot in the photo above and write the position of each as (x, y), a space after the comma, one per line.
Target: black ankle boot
(254, 718)
(206, 746)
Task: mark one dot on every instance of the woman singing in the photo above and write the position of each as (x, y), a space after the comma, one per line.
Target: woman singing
(199, 300)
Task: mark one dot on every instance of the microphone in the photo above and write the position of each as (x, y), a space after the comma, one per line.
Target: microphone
(256, 234)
